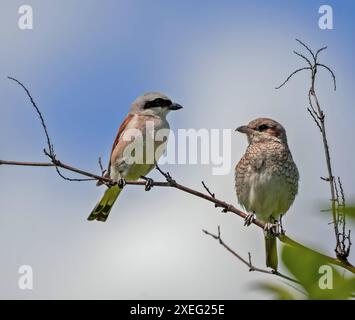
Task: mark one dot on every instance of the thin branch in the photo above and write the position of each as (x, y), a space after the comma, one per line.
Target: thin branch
(166, 175)
(49, 144)
(213, 196)
(208, 190)
(341, 192)
(103, 171)
(331, 72)
(303, 57)
(307, 48)
(92, 176)
(57, 165)
(315, 113)
(247, 263)
(344, 241)
(336, 193)
(319, 51)
(315, 119)
(318, 115)
(26, 164)
(291, 75)
(50, 153)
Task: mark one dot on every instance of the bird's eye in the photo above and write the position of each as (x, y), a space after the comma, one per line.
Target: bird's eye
(263, 127)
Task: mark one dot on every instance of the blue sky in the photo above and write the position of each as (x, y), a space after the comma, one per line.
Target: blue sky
(85, 64)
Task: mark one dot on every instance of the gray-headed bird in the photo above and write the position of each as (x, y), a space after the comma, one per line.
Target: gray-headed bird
(150, 110)
(266, 179)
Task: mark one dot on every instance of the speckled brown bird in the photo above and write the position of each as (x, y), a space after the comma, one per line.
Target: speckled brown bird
(266, 179)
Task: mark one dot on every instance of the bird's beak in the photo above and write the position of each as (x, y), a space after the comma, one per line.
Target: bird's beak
(244, 129)
(175, 106)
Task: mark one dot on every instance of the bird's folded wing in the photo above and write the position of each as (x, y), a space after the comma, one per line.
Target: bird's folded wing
(116, 148)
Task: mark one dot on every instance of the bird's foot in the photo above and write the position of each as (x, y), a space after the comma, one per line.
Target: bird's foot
(248, 220)
(149, 183)
(121, 183)
(272, 228)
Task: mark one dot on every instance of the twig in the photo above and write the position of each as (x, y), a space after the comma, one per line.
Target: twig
(103, 171)
(247, 263)
(166, 175)
(315, 119)
(341, 192)
(319, 51)
(225, 208)
(291, 75)
(318, 115)
(49, 144)
(26, 164)
(303, 57)
(50, 152)
(331, 72)
(208, 190)
(344, 241)
(307, 48)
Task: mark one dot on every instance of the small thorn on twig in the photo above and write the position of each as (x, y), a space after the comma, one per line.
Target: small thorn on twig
(166, 175)
(103, 171)
(210, 193)
(225, 208)
(208, 190)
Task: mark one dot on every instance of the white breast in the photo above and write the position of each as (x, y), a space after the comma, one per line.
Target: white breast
(266, 194)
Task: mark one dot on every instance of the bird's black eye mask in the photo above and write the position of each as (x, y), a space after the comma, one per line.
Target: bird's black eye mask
(158, 102)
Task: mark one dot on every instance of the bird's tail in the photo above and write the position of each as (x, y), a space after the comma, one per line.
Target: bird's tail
(271, 251)
(103, 208)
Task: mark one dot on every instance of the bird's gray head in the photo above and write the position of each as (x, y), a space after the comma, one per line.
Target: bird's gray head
(263, 130)
(154, 104)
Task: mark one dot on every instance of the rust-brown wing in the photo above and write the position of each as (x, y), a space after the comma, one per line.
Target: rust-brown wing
(118, 136)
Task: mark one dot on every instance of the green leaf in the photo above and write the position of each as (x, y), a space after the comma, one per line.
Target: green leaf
(348, 210)
(280, 292)
(319, 279)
